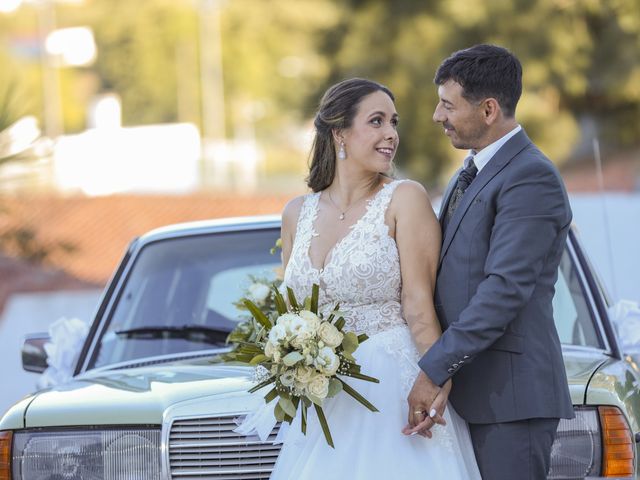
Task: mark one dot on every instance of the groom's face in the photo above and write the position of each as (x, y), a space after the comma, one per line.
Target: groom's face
(462, 120)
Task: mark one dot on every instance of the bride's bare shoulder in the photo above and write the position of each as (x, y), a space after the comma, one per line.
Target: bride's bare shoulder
(410, 192)
(291, 212)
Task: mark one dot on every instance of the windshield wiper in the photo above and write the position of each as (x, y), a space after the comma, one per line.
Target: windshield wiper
(195, 333)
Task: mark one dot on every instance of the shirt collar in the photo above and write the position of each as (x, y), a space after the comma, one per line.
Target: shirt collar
(482, 157)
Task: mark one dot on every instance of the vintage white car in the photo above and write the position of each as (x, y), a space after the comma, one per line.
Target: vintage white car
(151, 397)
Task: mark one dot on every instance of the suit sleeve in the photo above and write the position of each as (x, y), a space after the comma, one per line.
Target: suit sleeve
(531, 220)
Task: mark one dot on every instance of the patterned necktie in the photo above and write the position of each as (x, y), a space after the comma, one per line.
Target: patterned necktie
(464, 180)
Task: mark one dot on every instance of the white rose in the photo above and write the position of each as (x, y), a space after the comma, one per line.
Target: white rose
(312, 320)
(277, 356)
(300, 388)
(286, 320)
(301, 333)
(330, 335)
(258, 293)
(277, 334)
(269, 349)
(303, 374)
(319, 386)
(287, 378)
(327, 361)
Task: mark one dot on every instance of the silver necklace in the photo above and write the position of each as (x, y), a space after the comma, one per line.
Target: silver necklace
(344, 212)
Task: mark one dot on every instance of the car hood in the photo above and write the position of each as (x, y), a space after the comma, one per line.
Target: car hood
(134, 396)
(581, 364)
(143, 395)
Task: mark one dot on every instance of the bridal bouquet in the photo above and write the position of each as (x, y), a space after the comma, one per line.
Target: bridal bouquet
(261, 294)
(259, 291)
(301, 354)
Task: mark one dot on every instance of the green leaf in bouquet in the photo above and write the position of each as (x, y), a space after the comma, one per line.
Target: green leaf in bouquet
(292, 299)
(335, 387)
(260, 317)
(262, 384)
(292, 358)
(362, 376)
(303, 424)
(276, 246)
(317, 401)
(273, 393)
(237, 357)
(350, 342)
(325, 425)
(287, 406)
(315, 294)
(261, 357)
(351, 367)
(339, 323)
(348, 356)
(281, 305)
(249, 347)
(348, 389)
(279, 413)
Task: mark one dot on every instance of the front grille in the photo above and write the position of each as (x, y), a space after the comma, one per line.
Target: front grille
(208, 447)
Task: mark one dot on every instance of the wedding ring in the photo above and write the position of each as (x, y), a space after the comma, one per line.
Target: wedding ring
(418, 412)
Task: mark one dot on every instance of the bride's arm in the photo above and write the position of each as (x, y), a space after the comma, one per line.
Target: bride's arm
(288, 229)
(418, 237)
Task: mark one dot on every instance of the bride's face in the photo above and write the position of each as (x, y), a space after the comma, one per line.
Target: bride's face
(372, 139)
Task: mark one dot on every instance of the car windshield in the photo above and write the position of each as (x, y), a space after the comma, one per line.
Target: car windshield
(179, 296)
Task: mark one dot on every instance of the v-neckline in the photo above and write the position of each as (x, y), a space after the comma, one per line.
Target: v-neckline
(330, 253)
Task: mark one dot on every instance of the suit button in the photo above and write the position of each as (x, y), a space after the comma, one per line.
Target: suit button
(465, 357)
(455, 365)
(450, 370)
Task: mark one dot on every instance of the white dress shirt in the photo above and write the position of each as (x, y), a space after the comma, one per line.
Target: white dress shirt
(482, 157)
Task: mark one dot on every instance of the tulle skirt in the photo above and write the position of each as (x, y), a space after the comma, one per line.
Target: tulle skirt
(370, 445)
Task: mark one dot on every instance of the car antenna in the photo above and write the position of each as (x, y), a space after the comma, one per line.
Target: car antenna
(605, 215)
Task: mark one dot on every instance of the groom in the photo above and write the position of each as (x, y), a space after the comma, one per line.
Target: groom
(505, 219)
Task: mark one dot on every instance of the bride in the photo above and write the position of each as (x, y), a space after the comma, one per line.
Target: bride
(372, 244)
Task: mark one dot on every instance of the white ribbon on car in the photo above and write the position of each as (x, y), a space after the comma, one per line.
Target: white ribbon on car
(626, 317)
(67, 336)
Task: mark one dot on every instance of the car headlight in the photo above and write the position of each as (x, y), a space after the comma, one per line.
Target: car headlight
(577, 450)
(598, 441)
(132, 454)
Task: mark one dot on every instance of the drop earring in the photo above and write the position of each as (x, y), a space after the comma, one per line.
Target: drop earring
(341, 152)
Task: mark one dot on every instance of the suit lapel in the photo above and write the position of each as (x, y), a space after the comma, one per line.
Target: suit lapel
(502, 157)
(446, 197)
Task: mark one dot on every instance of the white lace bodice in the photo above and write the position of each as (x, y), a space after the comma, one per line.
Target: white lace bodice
(363, 268)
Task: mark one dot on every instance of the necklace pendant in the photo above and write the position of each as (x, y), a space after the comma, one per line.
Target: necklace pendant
(341, 217)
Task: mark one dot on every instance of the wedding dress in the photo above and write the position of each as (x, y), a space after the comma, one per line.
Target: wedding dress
(362, 273)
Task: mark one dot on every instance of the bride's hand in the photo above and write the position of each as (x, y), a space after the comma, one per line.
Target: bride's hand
(428, 417)
(440, 404)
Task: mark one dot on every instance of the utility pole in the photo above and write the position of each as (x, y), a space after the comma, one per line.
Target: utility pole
(212, 86)
(53, 126)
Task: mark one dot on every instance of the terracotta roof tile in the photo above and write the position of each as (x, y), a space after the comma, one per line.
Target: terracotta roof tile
(100, 228)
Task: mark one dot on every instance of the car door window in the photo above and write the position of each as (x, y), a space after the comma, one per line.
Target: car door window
(573, 318)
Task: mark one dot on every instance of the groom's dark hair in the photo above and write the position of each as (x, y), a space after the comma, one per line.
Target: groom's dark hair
(485, 71)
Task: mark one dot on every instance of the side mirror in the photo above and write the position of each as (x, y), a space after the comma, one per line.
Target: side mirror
(34, 357)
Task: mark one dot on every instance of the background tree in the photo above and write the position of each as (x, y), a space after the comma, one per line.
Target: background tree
(581, 60)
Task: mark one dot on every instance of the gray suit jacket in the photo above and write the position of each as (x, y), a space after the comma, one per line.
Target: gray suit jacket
(498, 266)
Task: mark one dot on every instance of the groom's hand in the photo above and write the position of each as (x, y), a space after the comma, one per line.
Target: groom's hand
(427, 402)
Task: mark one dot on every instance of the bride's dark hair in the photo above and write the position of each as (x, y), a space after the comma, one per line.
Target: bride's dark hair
(336, 111)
